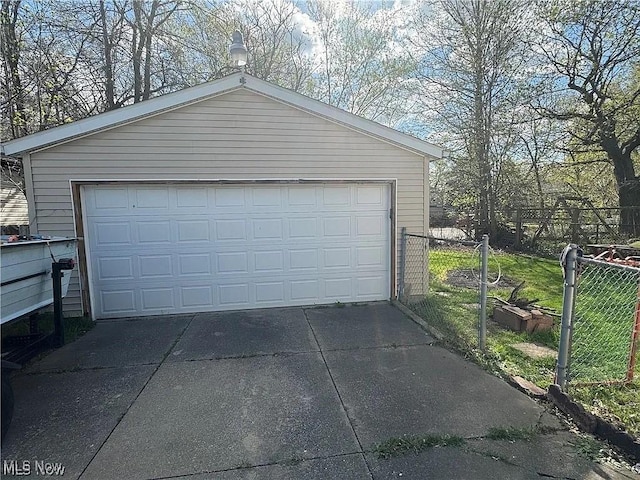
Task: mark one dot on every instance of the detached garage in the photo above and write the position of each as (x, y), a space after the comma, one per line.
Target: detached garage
(234, 194)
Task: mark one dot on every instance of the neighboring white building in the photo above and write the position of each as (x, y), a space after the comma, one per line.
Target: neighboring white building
(233, 194)
(14, 209)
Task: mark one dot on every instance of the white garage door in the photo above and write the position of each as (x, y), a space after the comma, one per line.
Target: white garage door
(159, 249)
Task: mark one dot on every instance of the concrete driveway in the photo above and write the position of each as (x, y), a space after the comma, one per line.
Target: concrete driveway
(275, 394)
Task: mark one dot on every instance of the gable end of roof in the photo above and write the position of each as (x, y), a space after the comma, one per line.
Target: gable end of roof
(192, 95)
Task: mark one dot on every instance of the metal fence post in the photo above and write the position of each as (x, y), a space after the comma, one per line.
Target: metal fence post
(635, 339)
(570, 263)
(402, 266)
(482, 330)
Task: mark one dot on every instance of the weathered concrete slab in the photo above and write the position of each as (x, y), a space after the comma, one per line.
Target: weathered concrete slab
(352, 467)
(245, 333)
(555, 455)
(65, 417)
(446, 464)
(423, 389)
(266, 413)
(140, 341)
(206, 416)
(364, 326)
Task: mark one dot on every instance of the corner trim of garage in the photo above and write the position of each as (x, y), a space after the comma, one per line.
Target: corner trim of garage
(82, 254)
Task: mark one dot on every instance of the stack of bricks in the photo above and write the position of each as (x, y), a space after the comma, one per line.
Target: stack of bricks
(520, 320)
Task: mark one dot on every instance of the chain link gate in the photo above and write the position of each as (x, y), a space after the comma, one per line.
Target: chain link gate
(432, 270)
(601, 321)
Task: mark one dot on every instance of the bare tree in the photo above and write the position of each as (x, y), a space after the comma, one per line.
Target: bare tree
(472, 65)
(148, 19)
(363, 62)
(12, 91)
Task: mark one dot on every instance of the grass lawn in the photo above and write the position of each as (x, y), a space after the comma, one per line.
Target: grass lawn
(451, 307)
(74, 327)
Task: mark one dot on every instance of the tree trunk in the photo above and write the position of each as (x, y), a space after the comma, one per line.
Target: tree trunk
(10, 48)
(629, 195)
(137, 46)
(107, 47)
(480, 143)
(627, 181)
(148, 34)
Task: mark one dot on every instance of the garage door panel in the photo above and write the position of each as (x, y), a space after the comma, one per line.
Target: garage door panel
(190, 264)
(338, 288)
(303, 259)
(303, 197)
(152, 232)
(228, 198)
(267, 229)
(305, 290)
(266, 197)
(110, 201)
(336, 226)
(268, 261)
(370, 257)
(369, 286)
(158, 299)
(192, 198)
(233, 295)
(117, 302)
(196, 248)
(333, 196)
(112, 233)
(370, 195)
(369, 226)
(155, 266)
(336, 258)
(232, 262)
(229, 266)
(303, 228)
(230, 230)
(149, 198)
(190, 231)
(270, 292)
(197, 296)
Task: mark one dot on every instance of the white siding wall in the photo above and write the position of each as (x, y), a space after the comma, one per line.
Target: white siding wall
(237, 135)
(13, 205)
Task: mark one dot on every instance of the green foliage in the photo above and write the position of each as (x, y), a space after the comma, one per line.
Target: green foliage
(415, 444)
(603, 322)
(447, 308)
(619, 404)
(74, 327)
(543, 277)
(588, 447)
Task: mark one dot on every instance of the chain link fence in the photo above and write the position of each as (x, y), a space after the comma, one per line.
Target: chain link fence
(601, 321)
(605, 323)
(440, 282)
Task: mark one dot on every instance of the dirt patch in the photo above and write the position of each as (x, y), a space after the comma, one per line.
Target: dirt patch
(466, 278)
(532, 350)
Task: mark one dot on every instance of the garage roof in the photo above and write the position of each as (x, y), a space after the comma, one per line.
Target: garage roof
(172, 101)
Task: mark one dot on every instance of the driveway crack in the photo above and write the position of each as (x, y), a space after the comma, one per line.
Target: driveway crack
(335, 387)
(177, 339)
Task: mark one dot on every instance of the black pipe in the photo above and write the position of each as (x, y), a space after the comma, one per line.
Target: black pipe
(56, 274)
(58, 329)
(26, 277)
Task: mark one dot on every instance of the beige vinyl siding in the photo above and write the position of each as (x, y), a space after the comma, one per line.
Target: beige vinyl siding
(238, 135)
